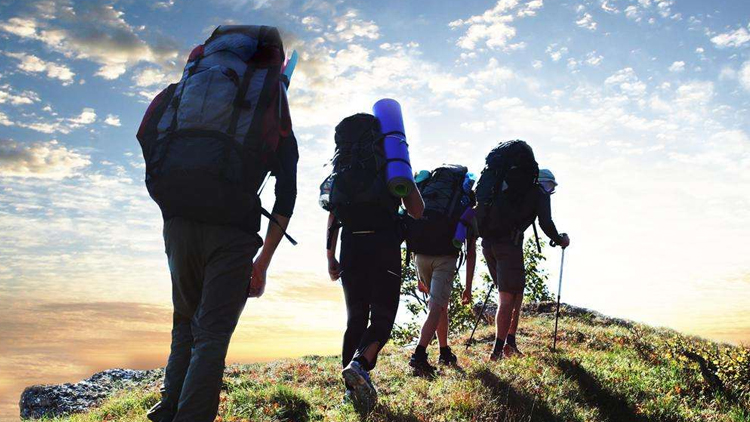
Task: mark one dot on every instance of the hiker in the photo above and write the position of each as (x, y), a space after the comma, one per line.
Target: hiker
(370, 258)
(209, 142)
(448, 196)
(513, 194)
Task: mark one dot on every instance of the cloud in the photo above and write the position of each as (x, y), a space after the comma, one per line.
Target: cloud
(92, 31)
(556, 53)
(609, 8)
(87, 116)
(744, 75)
(9, 95)
(593, 59)
(677, 67)
(150, 77)
(478, 126)
(492, 28)
(4, 120)
(349, 27)
(734, 38)
(33, 64)
(41, 160)
(587, 22)
(627, 81)
(112, 120)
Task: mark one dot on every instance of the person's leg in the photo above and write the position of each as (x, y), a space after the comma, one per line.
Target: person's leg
(442, 284)
(442, 329)
(511, 348)
(385, 290)
(186, 270)
(425, 268)
(355, 283)
(357, 315)
(511, 283)
(502, 320)
(229, 256)
(516, 314)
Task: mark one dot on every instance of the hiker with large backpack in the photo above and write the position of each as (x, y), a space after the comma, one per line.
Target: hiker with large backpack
(449, 202)
(209, 143)
(511, 194)
(362, 207)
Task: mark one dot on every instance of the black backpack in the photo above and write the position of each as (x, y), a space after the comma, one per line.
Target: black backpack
(445, 201)
(210, 140)
(509, 174)
(356, 189)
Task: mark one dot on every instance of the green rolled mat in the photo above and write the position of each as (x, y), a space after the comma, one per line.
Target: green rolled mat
(401, 186)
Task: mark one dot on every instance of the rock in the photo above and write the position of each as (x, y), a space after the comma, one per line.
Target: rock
(58, 400)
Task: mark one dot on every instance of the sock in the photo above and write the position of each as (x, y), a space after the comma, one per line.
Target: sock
(511, 340)
(445, 350)
(420, 351)
(363, 362)
(499, 344)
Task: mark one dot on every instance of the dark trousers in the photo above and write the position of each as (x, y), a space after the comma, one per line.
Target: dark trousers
(371, 277)
(211, 267)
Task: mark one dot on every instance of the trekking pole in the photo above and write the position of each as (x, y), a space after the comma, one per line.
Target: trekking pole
(481, 314)
(559, 288)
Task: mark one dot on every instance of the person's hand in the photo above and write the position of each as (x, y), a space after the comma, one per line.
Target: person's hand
(565, 241)
(422, 288)
(334, 269)
(466, 296)
(258, 279)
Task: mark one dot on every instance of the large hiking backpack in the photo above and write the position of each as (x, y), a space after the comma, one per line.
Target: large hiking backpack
(356, 189)
(509, 174)
(210, 139)
(445, 201)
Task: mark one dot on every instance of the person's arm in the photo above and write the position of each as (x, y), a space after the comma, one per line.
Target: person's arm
(332, 235)
(414, 204)
(544, 210)
(286, 196)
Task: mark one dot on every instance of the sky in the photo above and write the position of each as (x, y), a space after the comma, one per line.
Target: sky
(639, 107)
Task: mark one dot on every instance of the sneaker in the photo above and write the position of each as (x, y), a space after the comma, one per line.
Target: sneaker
(511, 351)
(447, 357)
(421, 365)
(494, 357)
(363, 393)
(347, 397)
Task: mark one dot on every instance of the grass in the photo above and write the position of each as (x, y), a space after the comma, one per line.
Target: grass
(603, 371)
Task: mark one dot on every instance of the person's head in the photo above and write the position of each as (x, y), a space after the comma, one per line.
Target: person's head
(547, 181)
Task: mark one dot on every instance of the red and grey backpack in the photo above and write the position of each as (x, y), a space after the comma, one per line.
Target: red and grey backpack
(210, 139)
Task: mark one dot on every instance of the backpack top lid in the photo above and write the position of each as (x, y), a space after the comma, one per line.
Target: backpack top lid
(262, 44)
(511, 164)
(443, 191)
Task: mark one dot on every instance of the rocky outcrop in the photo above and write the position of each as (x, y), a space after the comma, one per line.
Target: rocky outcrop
(57, 400)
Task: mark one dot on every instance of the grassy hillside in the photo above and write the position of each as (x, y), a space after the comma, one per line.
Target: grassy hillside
(604, 370)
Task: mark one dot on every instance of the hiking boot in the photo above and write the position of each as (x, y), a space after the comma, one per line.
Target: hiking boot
(420, 365)
(160, 412)
(510, 351)
(363, 393)
(497, 351)
(447, 357)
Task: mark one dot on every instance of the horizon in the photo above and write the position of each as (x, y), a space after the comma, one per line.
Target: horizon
(639, 107)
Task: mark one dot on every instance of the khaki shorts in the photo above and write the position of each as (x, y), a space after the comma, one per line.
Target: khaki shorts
(437, 273)
(505, 262)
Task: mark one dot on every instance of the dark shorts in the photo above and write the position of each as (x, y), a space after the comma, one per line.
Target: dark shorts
(505, 262)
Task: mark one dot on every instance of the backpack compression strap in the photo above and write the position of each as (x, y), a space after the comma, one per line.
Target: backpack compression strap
(273, 220)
